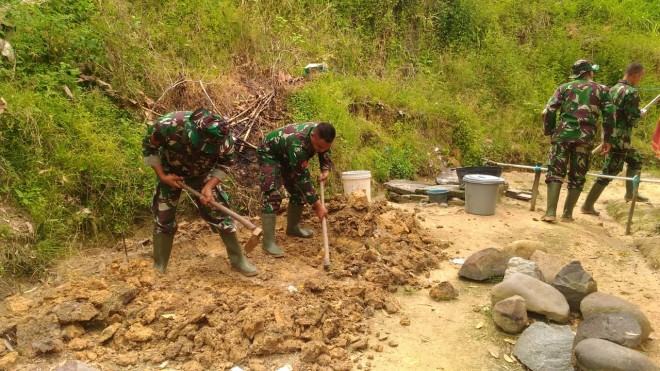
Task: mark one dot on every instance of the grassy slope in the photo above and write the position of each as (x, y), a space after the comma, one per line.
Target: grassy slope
(459, 79)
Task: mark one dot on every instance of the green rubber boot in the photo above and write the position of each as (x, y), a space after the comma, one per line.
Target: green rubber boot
(595, 192)
(269, 246)
(630, 173)
(162, 249)
(569, 204)
(293, 215)
(238, 261)
(553, 199)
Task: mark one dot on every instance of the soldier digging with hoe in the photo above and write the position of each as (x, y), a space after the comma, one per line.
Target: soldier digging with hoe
(625, 98)
(196, 148)
(283, 158)
(580, 102)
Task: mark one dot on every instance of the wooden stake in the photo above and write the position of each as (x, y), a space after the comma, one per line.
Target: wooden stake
(535, 190)
(632, 203)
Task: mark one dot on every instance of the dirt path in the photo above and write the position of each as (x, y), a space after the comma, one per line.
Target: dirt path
(443, 336)
(201, 315)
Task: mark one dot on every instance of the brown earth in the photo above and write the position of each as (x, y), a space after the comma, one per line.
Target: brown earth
(370, 311)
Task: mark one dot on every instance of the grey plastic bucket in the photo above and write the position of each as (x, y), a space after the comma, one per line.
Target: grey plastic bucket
(481, 193)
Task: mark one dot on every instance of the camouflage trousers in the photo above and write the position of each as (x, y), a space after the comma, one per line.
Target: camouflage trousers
(271, 176)
(166, 199)
(572, 157)
(615, 160)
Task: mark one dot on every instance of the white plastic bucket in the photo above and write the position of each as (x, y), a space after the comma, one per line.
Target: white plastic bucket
(481, 193)
(356, 180)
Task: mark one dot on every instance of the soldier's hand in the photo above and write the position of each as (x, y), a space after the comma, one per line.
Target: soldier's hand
(607, 147)
(323, 176)
(320, 210)
(207, 196)
(643, 113)
(171, 180)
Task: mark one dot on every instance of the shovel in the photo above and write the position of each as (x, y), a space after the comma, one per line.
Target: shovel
(256, 231)
(326, 249)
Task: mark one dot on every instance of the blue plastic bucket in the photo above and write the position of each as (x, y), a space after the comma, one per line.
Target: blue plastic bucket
(438, 196)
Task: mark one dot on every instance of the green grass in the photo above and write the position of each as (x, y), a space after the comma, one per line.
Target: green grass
(413, 86)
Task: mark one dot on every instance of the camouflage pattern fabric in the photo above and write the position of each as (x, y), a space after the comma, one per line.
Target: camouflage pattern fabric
(614, 163)
(575, 157)
(283, 156)
(626, 99)
(582, 102)
(190, 144)
(165, 203)
(194, 145)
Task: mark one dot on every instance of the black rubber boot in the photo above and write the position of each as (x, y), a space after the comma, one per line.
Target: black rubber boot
(293, 215)
(595, 192)
(569, 204)
(630, 173)
(162, 249)
(269, 246)
(237, 260)
(553, 199)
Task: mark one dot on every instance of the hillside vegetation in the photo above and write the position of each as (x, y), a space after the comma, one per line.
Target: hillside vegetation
(409, 81)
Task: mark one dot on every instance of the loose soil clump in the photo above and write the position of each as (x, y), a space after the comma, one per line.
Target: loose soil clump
(201, 315)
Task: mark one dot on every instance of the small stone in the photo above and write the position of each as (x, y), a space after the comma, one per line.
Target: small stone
(139, 333)
(75, 366)
(393, 343)
(77, 344)
(510, 314)
(72, 331)
(405, 321)
(8, 360)
(524, 248)
(378, 348)
(524, 266)
(73, 311)
(370, 356)
(539, 296)
(443, 291)
(108, 332)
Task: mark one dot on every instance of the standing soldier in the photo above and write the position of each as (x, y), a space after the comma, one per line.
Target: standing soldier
(580, 102)
(283, 157)
(197, 148)
(625, 97)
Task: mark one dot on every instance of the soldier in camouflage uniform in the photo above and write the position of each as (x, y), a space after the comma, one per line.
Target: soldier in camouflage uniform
(625, 97)
(197, 148)
(581, 102)
(283, 157)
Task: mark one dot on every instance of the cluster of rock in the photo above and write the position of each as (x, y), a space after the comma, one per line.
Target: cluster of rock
(541, 283)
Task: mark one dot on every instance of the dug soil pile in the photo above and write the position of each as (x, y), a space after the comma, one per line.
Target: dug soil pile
(115, 313)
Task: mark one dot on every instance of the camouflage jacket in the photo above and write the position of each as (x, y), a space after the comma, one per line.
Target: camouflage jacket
(626, 99)
(188, 147)
(581, 102)
(291, 147)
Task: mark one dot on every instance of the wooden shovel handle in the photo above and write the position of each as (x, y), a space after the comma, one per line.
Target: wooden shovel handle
(326, 248)
(221, 207)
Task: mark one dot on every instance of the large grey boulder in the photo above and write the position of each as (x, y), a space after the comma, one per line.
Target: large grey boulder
(620, 328)
(539, 296)
(544, 347)
(484, 264)
(603, 355)
(600, 302)
(510, 314)
(575, 283)
(524, 266)
(549, 264)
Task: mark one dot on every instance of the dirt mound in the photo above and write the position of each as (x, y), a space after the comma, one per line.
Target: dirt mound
(199, 317)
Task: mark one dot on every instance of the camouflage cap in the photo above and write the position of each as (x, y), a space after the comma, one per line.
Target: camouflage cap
(583, 66)
(214, 126)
